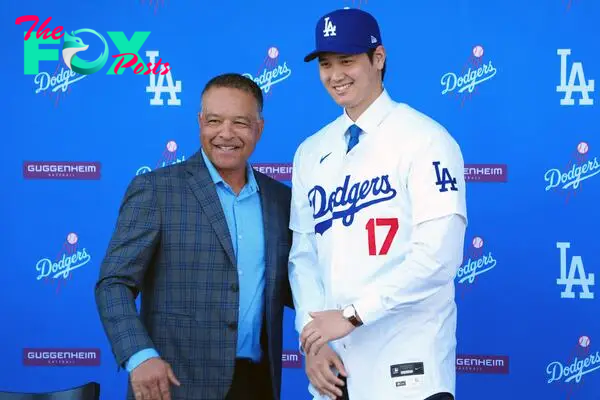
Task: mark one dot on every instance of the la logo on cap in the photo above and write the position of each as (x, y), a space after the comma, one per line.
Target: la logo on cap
(329, 28)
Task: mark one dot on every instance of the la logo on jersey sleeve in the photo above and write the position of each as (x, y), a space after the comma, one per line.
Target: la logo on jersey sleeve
(444, 180)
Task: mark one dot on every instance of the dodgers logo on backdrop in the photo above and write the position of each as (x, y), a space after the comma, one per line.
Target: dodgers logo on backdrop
(474, 73)
(580, 167)
(477, 262)
(573, 275)
(169, 157)
(271, 72)
(576, 84)
(345, 201)
(57, 83)
(70, 258)
(582, 366)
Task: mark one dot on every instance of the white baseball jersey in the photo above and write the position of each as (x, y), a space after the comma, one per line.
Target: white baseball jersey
(382, 227)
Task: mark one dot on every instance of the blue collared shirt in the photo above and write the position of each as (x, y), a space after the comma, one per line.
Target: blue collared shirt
(244, 219)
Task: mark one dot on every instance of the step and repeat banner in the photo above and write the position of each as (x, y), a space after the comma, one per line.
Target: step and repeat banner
(513, 82)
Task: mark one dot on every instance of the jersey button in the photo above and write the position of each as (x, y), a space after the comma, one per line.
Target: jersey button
(232, 326)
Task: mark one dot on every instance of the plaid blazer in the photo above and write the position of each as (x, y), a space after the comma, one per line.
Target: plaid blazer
(171, 243)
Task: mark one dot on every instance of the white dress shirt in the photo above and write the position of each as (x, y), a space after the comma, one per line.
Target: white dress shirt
(382, 227)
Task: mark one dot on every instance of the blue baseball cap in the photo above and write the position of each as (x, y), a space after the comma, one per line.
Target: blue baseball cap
(345, 31)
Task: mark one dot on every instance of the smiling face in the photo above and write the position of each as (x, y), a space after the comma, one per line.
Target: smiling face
(353, 81)
(230, 127)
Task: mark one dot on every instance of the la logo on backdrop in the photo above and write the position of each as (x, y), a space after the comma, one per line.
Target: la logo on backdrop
(74, 69)
(576, 83)
(271, 72)
(464, 84)
(575, 281)
(59, 270)
(569, 374)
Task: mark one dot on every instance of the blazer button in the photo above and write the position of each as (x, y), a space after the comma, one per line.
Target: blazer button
(232, 326)
(234, 287)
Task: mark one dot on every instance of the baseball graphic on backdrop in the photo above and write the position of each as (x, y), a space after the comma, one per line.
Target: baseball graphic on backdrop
(477, 242)
(582, 148)
(273, 52)
(72, 238)
(478, 51)
(584, 341)
(172, 146)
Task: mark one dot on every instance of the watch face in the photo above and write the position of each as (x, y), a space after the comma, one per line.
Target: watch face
(348, 312)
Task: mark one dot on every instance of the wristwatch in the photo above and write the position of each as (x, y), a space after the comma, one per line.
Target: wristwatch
(349, 313)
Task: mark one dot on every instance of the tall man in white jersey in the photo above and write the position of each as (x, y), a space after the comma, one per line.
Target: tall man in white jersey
(378, 217)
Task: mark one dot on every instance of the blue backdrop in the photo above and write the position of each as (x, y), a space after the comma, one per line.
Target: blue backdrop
(497, 74)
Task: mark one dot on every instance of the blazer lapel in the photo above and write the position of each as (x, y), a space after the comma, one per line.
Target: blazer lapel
(269, 211)
(204, 189)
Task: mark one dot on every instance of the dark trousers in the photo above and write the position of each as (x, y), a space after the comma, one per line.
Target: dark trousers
(251, 381)
(437, 396)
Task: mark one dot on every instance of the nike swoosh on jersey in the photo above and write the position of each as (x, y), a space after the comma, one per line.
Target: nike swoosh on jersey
(324, 157)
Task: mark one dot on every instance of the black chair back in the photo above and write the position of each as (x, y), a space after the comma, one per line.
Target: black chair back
(89, 391)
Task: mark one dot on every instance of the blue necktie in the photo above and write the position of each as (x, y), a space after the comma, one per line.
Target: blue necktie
(354, 132)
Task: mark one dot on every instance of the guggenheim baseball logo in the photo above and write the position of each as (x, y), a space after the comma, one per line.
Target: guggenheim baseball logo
(482, 364)
(61, 170)
(61, 357)
(291, 359)
(73, 44)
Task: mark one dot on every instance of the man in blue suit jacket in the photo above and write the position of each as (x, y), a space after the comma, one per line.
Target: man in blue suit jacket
(206, 243)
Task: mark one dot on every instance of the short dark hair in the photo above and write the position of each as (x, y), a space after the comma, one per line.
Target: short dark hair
(371, 54)
(237, 81)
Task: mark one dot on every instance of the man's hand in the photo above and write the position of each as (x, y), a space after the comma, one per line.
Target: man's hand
(326, 326)
(318, 369)
(150, 380)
